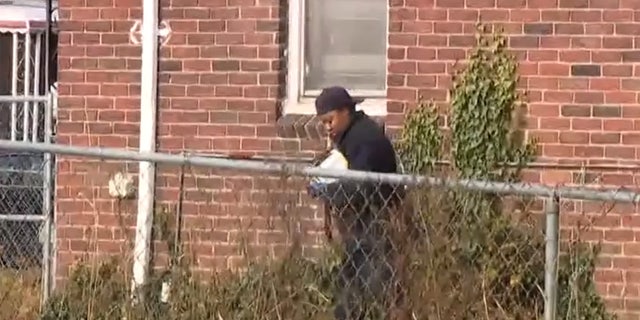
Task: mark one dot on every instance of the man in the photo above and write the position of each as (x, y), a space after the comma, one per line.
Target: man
(365, 283)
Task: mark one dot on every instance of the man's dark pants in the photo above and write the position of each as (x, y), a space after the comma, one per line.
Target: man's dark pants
(366, 280)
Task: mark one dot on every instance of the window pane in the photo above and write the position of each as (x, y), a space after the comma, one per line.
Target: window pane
(345, 44)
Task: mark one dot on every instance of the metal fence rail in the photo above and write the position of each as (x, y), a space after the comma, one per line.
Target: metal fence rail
(538, 190)
(366, 217)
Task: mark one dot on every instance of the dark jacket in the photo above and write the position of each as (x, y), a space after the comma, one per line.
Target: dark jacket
(366, 148)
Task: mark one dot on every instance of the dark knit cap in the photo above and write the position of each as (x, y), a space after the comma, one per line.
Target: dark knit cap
(334, 98)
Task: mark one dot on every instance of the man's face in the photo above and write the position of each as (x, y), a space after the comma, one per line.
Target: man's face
(335, 122)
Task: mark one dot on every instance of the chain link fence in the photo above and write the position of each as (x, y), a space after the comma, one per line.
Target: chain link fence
(21, 194)
(25, 206)
(21, 224)
(241, 239)
(403, 247)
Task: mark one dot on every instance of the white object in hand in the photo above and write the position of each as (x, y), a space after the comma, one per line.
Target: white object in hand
(335, 160)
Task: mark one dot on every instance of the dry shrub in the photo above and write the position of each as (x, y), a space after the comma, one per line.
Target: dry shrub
(479, 255)
(451, 266)
(279, 280)
(293, 288)
(470, 265)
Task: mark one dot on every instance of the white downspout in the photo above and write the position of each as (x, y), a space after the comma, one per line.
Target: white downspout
(148, 105)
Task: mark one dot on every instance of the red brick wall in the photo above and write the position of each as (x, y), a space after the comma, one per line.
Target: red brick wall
(579, 60)
(222, 78)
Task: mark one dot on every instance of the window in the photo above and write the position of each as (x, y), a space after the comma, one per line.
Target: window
(337, 42)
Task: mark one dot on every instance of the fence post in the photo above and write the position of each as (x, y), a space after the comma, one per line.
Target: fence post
(47, 205)
(552, 218)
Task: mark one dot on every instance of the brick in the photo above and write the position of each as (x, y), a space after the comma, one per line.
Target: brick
(607, 111)
(604, 4)
(434, 14)
(450, 3)
(575, 111)
(575, 56)
(587, 42)
(524, 42)
(295, 126)
(432, 40)
(588, 97)
(618, 42)
(617, 70)
(586, 70)
(511, 4)
(605, 138)
(538, 28)
(574, 137)
(607, 56)
(599, 28)
(396, 53)
(606, 84)
(630, 84)
(555, 42)
(463, 15)
(554, 69)
(631, 56)
(627, 29)
(448, 27)
(207, 26)
(226, 65)
(404, 67)
(569, 28)
(266, 25)
(402, 14)
(574, 4)
(620, 97)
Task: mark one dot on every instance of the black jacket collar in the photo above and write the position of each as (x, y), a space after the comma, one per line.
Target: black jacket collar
(355, 117)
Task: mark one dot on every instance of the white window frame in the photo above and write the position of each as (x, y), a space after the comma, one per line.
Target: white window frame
(296, 102)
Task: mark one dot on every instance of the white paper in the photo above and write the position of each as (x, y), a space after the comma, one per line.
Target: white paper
(335, 160)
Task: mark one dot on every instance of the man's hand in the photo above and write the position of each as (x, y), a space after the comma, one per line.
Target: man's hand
(334, 194)
(317, 190)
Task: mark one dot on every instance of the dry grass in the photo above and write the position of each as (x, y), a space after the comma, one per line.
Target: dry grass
(20, 294)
